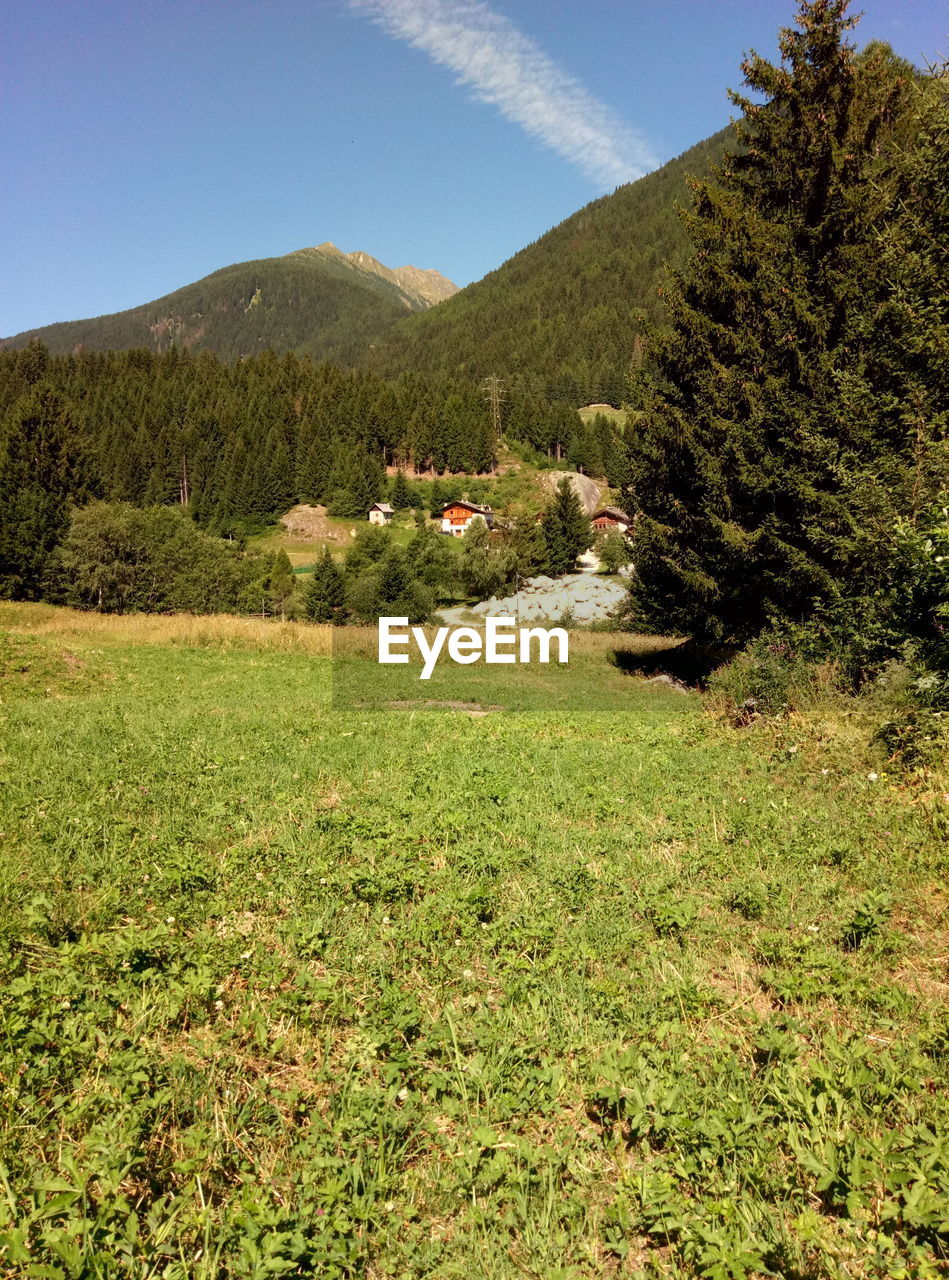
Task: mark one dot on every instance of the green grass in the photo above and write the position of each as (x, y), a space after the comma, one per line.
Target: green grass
(303, 552)
(295, 989)
(617, 416)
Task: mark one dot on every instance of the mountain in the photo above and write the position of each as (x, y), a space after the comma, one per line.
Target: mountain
(318, 302)
(559, 320)
(561, 313)
(422, 287)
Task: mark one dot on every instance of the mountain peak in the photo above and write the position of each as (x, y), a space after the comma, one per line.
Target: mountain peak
(422, 287)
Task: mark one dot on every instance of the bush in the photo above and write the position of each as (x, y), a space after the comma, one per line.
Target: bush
(913, 728)
(123, 559)
(613, 550)
(769, 677)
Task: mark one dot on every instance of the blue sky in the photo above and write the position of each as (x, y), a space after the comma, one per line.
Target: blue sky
(146, 143)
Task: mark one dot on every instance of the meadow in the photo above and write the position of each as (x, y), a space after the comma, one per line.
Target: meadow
(291, 986)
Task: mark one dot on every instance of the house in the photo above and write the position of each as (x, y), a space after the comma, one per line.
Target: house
(381, 513)
(610, 518)
(458, 515)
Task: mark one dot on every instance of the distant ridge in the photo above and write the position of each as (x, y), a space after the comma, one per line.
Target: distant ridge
(316, 301)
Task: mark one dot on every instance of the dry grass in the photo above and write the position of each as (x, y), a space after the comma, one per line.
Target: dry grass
(587, 645)
(219, 631)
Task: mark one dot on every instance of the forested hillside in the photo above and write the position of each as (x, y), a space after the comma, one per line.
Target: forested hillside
(561, 315)
(242, 440)
(316, 302)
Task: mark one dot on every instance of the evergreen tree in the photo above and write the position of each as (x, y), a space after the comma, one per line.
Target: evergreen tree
(401, 495)
(277, 490)
(567, 530)
(275, 586)
(45, 468)
(325, 594)
(743, 466)
(526, 550)
(394, 579)
(901, 384)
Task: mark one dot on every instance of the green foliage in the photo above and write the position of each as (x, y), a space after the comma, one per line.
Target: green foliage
(871, 912)
(614, 550)
(400, 494)
(768, 677)
(45, 467)
(481, 569)
(123, 559)
(525, 548)
(382, 580)
(906, 619)
(325, 593)
(566, 529)
(432, 560)
(764, 482)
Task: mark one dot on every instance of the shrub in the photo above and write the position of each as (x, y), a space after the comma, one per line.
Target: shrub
(123, 559)
(768, 677)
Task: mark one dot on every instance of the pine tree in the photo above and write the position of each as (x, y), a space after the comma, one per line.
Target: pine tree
(567, 530)
(742, 461)
(902, 383)
(394, 578)
(526, 551)
(325, 594)
(45, 468)
(401, 495)
(280, 582)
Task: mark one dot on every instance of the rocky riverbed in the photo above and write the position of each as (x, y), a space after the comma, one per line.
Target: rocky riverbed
(543, 599)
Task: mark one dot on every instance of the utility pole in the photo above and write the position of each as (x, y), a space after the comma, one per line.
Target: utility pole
(494, 392)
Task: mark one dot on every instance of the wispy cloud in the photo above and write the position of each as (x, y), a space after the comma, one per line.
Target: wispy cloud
(507, 69)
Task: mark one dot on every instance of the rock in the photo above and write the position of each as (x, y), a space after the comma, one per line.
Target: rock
(587, 490)
(669, 682)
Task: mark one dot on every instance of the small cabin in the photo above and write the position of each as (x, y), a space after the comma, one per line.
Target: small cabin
(458, 515)
(381, 513)
(610, 518)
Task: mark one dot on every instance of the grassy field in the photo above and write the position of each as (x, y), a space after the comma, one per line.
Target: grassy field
(295, 988)
(303, 552)
(591, 411)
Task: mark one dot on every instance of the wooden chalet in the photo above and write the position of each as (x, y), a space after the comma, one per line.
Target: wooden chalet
(457, 515)
(610, 518)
